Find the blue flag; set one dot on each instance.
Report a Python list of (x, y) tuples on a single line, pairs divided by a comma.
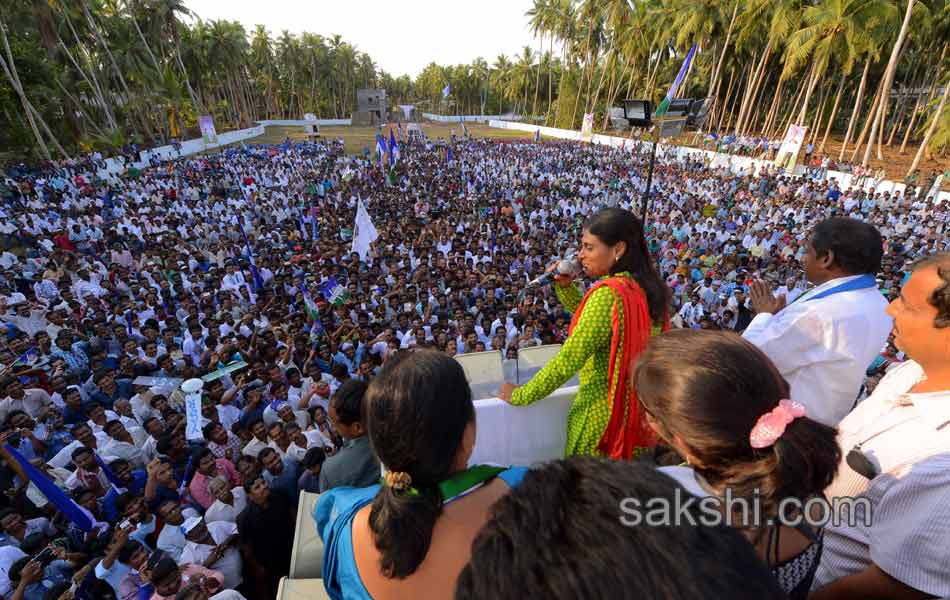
[(255, 274), (56, 496), (671, 94), (447, 90), (392, 148), (334, 293), (27, 358), (448, 156), (380, 149), (108, 472), (185, 476)]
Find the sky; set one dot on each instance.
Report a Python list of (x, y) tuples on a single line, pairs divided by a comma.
[(400, 40)]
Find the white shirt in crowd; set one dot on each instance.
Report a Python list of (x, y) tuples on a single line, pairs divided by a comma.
[(824, 346), (907, 438), (219, 511), (229, 565)]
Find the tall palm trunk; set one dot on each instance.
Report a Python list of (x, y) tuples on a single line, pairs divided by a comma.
[(148, 49), (786, 121), (580, 81), (746, 107), (725, 102), (930, 130), (773, 108), (550, 77), (834, 112), (910, 127), (195, 100), (735, 101), (812, 80), (855, 110), (13, 79), (537, 77), (819, 112), (714, 83), (33, 116), (106, 106), (867, 123), (888, 81)]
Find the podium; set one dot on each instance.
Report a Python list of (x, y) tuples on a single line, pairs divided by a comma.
[(505, 435)]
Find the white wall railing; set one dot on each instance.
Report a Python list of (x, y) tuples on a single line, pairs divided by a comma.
[(717, 159), (470, 118)]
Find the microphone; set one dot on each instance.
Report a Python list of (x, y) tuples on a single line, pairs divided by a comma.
[(569, 265)]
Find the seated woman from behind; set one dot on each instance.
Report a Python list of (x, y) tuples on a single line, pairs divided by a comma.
[(411, 536), (721, 403)]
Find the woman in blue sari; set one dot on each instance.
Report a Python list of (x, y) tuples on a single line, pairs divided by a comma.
[(411, 535)]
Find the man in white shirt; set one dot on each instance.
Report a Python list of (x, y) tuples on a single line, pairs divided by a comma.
[(824, 341), (32, 401), (121, 444), (213, 545), (228, 503), (896, 462), (259, 441)]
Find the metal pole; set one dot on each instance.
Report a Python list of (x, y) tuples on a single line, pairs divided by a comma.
[(646, 193)]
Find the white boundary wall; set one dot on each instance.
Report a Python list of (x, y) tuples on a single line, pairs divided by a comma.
[(719, 159), (470, 118), (116, 165), (302, 122)]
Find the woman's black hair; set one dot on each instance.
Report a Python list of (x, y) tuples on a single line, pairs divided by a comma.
[(708, 389), (569, 530), (615, 225), (348, 401), (417, 411)]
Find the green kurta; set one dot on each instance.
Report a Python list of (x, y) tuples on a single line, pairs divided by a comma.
[(587, 349)]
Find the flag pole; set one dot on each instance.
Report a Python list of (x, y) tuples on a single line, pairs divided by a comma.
[(646, 193)]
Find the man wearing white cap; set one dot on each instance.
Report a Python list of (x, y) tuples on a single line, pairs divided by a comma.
[(214, 546)]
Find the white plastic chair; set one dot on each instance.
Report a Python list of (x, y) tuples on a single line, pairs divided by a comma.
[(483, 372), (301, 589), (532, 358), (306, 558)]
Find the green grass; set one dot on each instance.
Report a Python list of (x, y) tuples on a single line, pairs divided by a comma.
[(357, 138)]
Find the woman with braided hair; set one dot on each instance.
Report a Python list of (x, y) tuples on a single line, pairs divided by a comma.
[(410, 536), (611, 326)]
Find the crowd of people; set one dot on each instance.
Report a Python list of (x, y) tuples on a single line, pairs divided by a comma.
[(239, 267)]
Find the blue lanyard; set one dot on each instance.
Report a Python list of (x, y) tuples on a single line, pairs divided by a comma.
[(862, 282)]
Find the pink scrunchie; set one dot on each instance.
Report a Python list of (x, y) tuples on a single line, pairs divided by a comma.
[(772, 424)]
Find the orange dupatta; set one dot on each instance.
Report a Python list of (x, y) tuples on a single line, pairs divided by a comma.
[(626, 429)]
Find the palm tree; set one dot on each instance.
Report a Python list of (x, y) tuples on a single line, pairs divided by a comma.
[(930, 129), (889, 73), (501, 73), (520, 80), (538, 23), (832, 29), (480, 72)]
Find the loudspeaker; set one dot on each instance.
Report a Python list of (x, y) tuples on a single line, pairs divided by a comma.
[(638, 112), (678, 108), (698, 112)]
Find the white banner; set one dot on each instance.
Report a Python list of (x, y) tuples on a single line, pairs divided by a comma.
[(788, 153), (587, 129)]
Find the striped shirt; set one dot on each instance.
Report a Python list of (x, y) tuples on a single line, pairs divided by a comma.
[(907, 438)]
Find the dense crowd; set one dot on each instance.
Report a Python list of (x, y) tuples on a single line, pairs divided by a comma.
[(247, 256)]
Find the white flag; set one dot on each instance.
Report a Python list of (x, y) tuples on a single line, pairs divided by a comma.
[(364, 233)]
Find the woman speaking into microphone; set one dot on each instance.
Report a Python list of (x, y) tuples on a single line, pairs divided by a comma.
[(611, 326)]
